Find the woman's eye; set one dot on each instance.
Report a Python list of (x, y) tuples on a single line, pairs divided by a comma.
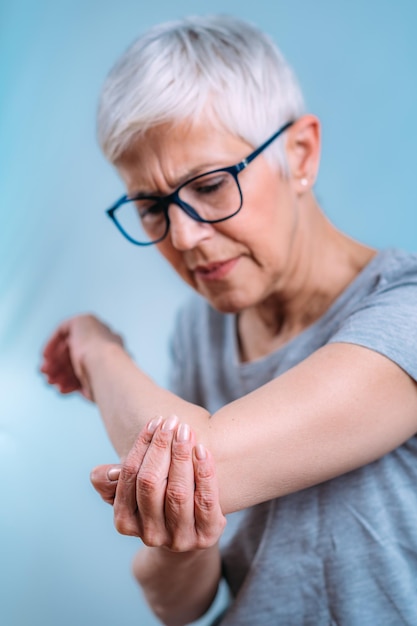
[(209, 186), (148, 209), (155, 209)]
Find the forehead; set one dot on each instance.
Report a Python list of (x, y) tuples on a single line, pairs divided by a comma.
[(168, 154)]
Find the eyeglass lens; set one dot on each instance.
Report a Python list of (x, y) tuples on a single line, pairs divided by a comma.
[(213, 196)]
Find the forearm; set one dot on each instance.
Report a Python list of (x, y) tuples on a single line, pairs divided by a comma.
[(179, 586), (127, 398), (321, 419)]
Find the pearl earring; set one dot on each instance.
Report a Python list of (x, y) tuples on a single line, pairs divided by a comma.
[(304, 182)]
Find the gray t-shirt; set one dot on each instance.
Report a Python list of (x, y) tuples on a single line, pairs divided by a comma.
[(343, 552)]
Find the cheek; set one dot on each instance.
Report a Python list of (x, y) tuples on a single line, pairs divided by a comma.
[(255, 224), (269, 213)]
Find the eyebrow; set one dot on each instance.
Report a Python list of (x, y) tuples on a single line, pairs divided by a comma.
[(196, 171)]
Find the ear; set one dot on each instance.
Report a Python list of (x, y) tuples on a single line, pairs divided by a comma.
[(303, 152)]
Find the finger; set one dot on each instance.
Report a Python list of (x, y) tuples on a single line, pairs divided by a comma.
[(57, 365), (179, 496), (209, 519), (152, 483), (58, 336), (56, 358), (62, 355), (59, 370), (67, 387), (104, 479), (126, 513), (52, 364), (65, 382)]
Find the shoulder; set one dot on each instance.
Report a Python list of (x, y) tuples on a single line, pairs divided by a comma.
[(384, 319), (394, 286), (396, 267), (392, 277)]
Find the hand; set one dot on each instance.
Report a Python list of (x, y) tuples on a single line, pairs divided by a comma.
[(64, 353), (166, 491)]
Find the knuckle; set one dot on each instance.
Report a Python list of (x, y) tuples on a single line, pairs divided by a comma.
[(126, 527), (205, 500), (162, 440), (177, 495), (144, 437), (181, 451), (205, 471), (150, 542), (218, 529), (151, 538), (147, 481), (128, 472), (211, 535), (205, 542)]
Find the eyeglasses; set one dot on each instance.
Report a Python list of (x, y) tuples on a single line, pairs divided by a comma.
[(212, 197)]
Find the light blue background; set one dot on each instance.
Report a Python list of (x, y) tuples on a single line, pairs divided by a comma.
[(61, 561)]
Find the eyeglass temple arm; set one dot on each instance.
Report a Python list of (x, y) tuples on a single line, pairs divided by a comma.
[(262, 147)]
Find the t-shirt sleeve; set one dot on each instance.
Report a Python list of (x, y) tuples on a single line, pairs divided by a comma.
[(386, 320)]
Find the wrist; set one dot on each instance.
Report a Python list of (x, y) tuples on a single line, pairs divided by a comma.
[(147, 560), (97, 348), (96, 354)]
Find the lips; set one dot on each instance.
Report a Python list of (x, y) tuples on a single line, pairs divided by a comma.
[(216, 270)]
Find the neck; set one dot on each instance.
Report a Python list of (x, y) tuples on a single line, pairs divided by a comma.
[(321, 263)]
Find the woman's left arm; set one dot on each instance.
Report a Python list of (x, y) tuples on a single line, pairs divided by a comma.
[(341, 408)]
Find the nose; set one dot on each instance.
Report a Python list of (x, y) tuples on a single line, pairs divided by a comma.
[(185, 232)]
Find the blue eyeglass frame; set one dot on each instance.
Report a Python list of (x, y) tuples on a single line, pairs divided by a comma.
[(173, 198)]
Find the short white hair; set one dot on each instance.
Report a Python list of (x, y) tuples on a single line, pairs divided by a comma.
[(215, 65)]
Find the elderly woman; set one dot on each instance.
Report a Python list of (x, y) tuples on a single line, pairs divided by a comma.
[(294, 395)]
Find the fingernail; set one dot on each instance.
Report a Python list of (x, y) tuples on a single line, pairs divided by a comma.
[(170, 423), (183, 432), (113, 473), (153, 424), (200, 452)]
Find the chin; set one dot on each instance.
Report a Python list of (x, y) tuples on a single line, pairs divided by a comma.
[(229, 302)]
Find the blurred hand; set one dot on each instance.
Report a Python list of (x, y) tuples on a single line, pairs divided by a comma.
[(166, 491), (64, 353)]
